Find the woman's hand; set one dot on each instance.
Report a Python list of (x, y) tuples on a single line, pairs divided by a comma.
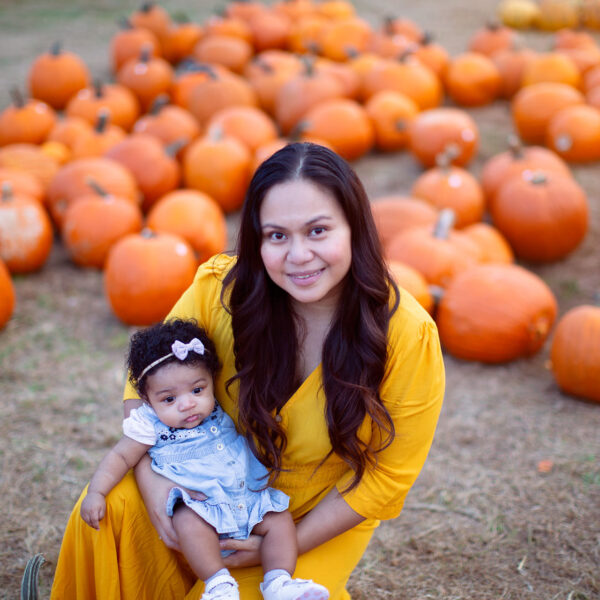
[(155, 490), (247, 552)]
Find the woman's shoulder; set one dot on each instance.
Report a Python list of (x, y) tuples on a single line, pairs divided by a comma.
[(410, 321), (216, 267)]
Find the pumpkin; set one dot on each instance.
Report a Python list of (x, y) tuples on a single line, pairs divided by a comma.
[(95, 222), (168, 123), (518, 14), (31, 159), (58, 151), (7, 295), (68, 130), (491, 38), (127, 44), (154, 167), (122, 104), (22, 183), (510, 64), (433, 131), (408, 76), (244, 9), (555, 67), (26, 121), (344, 38), (97, 140), (575, 352), (267, 72), (495, 313), (72, 182), (518, 160), (574, 133), (56, 76), (592, 97), (589, 14), (438, 253), (301, 93), (449, 186), (388, 45), (152, 17), (26, 233), (533, 106), (219, 166), (343, 124), (189, 75), (544, 218), (432, 54), (179, 41), (591, 78), (219, 90), (395, 214), (305, 33), (294, 9), (145, 274), (393, 25), (146, 76), (390, 113), (494, 246), (228, 51), (249, 124), (411, 280), (194, 216), (231, 26), (557, 14), (344, 73), (270, 30), (472, 79)]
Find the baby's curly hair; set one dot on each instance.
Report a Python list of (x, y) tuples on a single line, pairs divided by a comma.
[(148, 345)]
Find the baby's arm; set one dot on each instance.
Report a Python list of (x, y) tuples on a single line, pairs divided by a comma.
[(113, 467)]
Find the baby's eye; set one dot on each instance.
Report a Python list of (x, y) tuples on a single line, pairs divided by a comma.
[(169, 399), (198, 390)]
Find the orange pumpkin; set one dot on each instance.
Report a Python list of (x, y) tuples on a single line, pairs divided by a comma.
[(179, 41), (97, 140), (68, 130), (344, 38), (219, 166), (534, 105), (189, 76), (26, 121), (305, 33), (494, 246), (432, 55), (434, 131), (510, 64), (575, 352), (411, 280), (231, 26), (31, 159), (154, 167), (228, 51), (152, 17), (7, 295), (270, 30), (145, 274), (472, 79), (194, 216), (94, 223), (127, 44), (544, 218), (56, 76), (390, 113), (22, 183), (495, 314), (343, 124), (395, 214), (26, 233), (574, 133), (555, 67), (492, 38)]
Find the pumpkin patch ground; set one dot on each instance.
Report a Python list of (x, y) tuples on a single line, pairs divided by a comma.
[(508, 504)]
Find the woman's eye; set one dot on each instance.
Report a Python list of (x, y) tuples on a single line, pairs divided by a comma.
[(276, 236), (316, 231)]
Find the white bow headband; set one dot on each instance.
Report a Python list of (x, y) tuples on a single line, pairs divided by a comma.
[(179, 350)]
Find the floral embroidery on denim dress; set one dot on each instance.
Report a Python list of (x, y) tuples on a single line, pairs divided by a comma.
[(212, 458)]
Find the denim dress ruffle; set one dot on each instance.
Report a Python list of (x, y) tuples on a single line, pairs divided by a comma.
[(213, 458)]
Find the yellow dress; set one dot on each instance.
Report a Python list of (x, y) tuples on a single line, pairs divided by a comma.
[(125, 560)]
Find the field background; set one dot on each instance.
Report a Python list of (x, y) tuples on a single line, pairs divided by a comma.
[(481, 523)]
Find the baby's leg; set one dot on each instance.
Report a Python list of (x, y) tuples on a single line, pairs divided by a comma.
[(199, 542), (279, 548)]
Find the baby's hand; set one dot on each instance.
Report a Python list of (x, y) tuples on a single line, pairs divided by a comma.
[(93, 509)]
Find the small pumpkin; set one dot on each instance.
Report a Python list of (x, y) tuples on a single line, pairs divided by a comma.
[(179, 41), (26, 121), (518, 14), (22, 183), (128, 42), (491, 38), (68, 130), (7, 295), (344, 38), (31, 159), (494, 246), (495, 313), (152, 17), (144, 275), (472, 79), (510, 64), (432, 54), (411, 280), (231, 52), (574, 133), (194, 216), (270, 30), (555, 67), (97, 140), (26, 233), (575, 352)]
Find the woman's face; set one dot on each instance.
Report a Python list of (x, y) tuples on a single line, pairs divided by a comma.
[(306, 241)]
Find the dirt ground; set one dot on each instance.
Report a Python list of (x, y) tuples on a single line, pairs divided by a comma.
[(481, 522)]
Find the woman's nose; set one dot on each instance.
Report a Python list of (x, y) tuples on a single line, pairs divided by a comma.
[(299, 251)]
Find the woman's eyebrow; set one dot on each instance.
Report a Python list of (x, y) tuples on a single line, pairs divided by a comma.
[(310, 222)]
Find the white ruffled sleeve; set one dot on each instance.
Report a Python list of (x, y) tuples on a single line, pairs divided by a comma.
[(139, 425)]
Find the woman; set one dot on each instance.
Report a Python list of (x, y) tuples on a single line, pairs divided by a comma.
[(334, 376)]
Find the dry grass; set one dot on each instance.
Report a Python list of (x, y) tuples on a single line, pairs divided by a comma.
[(480, 523)]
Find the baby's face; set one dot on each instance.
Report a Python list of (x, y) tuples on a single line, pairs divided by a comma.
[(181, 395)]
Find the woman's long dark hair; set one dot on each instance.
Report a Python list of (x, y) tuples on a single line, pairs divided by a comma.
[(264, 323)]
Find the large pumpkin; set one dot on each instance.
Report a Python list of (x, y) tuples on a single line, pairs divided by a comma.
[(495, 313), (145, 274), (575, 352)]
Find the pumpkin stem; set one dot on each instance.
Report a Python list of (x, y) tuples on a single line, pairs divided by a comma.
[(158, 104), (443, 160), (493, 25), (444, 224), (96, 187), (145, 53), (147, 233), (146, 7), (515, 147), (102, 120), (539, 178), (98, 88), (56, 48), (174, 147), (7, 191), (124, 23), (437, 293), (17, 97), (308, 61), (388, 25), (29, 582), (427, 38)]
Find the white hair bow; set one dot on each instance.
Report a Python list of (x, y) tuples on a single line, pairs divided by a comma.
[(181, 349)]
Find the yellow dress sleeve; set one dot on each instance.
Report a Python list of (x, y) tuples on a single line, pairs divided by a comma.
[(412, 391), (202, 302)]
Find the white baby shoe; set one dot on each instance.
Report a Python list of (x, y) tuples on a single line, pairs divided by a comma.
[(222, 587), (285, 588)]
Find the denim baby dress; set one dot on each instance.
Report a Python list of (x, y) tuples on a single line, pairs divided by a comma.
[(212, 458)]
